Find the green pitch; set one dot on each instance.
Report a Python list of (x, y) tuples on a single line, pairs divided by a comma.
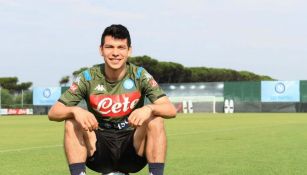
[(237, 144)]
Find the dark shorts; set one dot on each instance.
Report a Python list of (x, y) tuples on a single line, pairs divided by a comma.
[(115, 152)]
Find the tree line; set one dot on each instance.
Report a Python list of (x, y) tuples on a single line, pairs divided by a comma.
[(170, 72)]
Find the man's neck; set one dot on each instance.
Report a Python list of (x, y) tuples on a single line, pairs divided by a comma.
[(115, 75)]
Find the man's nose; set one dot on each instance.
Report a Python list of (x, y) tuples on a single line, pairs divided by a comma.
[(115, 53)]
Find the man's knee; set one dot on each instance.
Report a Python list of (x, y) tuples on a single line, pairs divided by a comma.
[(70, 126), (156, 124)]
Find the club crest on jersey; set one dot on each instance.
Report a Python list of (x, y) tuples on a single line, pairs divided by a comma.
[(117, 105), (100, 87), (128, 84), (153, 83), (151, 80)]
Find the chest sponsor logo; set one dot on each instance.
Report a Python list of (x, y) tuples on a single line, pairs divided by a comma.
[(115, 105), (99, 88)]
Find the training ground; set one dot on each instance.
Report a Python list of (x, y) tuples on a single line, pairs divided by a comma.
[(217, 144)]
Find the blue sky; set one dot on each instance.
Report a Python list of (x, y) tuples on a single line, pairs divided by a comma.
[(42, 41)]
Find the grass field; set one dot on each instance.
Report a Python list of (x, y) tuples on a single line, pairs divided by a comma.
[(238, 144)]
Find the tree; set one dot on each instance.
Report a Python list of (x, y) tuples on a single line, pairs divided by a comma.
[(163, 72), (64, 81), (10, 83), (26, 99), (150, 64), (11, 96), (23, 86), (7, 99)]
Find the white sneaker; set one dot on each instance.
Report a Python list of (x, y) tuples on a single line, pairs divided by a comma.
[(115, 173)]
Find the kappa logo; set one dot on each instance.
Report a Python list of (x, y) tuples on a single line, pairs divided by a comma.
[(99, 87), (82, 173)]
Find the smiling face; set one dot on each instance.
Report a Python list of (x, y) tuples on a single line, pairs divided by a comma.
[(115, 53)]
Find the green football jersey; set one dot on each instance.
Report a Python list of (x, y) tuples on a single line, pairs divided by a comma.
[(112, 102)]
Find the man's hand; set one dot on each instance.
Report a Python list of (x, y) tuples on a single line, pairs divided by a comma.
[(86, 119), (139, 116)]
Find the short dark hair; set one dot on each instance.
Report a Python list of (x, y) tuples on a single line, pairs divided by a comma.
[(117, 31)]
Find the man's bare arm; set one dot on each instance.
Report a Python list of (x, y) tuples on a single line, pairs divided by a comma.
[(60, 112), (161, 107)]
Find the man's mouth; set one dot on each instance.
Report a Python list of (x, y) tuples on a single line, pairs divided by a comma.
[(115, 60)]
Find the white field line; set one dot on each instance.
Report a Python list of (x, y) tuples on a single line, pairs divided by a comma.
[(29, 148), (188, 133)]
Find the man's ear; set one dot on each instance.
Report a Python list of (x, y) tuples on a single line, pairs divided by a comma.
[(101, 50), (129, 51)]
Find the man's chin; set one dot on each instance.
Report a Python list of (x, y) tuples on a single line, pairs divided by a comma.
[(115, 67)]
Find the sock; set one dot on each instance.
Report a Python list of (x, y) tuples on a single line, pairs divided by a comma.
[(77, 168), (156, 168)]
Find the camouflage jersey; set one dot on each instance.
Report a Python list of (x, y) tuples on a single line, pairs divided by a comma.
[(112, 102)]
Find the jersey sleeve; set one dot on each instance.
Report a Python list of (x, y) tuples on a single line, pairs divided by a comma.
[(150, 87), (76, 92)]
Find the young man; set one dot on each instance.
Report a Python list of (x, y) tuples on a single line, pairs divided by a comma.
[(117, 133)]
